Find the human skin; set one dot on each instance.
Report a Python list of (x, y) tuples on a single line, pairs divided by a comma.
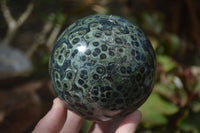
[(61, 120)]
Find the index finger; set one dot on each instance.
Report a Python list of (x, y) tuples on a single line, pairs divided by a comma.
[(54, 120)]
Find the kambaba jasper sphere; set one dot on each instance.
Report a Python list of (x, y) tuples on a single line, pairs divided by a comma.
[(103, 67)]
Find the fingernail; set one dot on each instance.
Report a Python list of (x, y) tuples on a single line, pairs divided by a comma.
[(57, 103)]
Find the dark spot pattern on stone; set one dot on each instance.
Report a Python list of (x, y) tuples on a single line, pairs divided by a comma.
[(88, 52), (69, 75), (75, 40), (97, 34), (95, 77), (80, 82), (100, 70), (65, 85), (95, 43), (74, 53), (123, 69), (118, 40), (95, 91), (103, 56), (129, 69), (96, 52), (111, 53), (104, 47), (83, 58), (95, 99), (110, 77)]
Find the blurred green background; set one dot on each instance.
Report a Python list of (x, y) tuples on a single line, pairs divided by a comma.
[(28, 30)]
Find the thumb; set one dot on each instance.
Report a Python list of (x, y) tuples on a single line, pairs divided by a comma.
[(54, 120)]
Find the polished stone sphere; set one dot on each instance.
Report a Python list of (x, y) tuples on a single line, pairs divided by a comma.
[(103, 67)]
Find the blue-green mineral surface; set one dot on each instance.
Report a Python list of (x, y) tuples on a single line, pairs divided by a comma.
[(103, 67)]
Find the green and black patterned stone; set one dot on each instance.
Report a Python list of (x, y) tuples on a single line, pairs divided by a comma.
[(103, 67)]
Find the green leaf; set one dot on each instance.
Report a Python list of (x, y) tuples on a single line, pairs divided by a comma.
[(191, 123), (174, 41), (45, 58), (86, 126), (166, 63), (164, 89), (152, 22), (155, 110), (195, 105)]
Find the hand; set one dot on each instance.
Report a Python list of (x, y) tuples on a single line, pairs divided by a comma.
[(61, 120)]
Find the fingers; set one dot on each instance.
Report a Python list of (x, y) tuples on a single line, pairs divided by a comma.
[(106, 127), (59, 120), (127, 125), (54, 120), (130, 123), (73, 123)]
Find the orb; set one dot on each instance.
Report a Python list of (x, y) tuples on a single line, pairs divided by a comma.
[(103, 67)]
